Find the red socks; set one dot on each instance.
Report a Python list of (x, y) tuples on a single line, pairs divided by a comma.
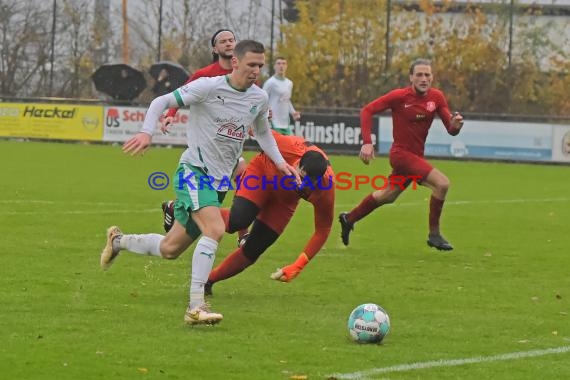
[(225, 216), (369, 204), (232, 265), (435, 207), (365, 207)]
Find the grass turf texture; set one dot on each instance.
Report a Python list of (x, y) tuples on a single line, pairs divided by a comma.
[(505, 288)]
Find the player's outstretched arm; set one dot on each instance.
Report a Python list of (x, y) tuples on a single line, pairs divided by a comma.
[(137, 144), (171, 113), (324, 210), (289, 272), (141, 141), (268, 144)]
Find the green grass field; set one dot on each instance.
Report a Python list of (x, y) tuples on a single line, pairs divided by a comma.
[(504, 290)]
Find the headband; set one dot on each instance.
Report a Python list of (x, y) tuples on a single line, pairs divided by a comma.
[(215, 36)]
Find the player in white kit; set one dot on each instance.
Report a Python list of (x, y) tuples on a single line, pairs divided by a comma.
[(221, 110), (279, 89)]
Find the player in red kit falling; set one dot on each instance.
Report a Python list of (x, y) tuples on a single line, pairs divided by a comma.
[(413, 109), (269, 208)]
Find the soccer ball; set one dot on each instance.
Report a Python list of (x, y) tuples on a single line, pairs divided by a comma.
[(368, 323)]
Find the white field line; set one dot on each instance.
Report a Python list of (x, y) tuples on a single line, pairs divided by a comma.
[(450, 363), (83, 212), (120, 210), (39, 201), (474, 202)]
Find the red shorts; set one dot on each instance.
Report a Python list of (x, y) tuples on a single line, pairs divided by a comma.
[(258, 185), (406, 164)]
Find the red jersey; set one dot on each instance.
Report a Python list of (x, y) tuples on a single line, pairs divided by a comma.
[(212, 70), (412, 116)]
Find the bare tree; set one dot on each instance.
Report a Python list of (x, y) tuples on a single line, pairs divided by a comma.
[(75, 51), (24, 32), (189, 24), (186, 28), (84, 40)]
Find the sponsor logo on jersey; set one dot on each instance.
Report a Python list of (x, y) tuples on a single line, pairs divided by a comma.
[(232, 119), (232, 131)]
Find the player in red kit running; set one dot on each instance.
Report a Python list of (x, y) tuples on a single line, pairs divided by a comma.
[(413, 109)]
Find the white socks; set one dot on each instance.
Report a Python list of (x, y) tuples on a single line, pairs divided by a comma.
[(202, 259), (147, 244), (202, 263)]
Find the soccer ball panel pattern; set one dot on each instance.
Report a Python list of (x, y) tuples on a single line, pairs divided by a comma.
[(368, 323)]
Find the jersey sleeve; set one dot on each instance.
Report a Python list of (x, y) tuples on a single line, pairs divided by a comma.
[(291, 147), (172, 111), (323, 207), (445, 114), (376, 106), (261, 122), (155, 110), (192, 93), (262, 133), (292, 109)]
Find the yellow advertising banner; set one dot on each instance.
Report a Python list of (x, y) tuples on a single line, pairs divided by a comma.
[(51, 121)]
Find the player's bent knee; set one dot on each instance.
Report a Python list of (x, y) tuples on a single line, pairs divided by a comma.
[(383, 197), (237, 223), (443, 185), (169, 252), (214, 232), (251, 253), (260, 238), (170, 255), (242, 214)]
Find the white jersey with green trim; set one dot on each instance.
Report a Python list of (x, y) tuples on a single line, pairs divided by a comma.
[(279, 90), (219, 120)]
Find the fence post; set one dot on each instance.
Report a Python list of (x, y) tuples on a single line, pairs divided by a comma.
[(51, 56)]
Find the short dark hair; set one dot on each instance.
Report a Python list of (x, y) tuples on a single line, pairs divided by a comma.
[(314, 164), (280, 58), (248, 46), (216, 57), (419, 61)]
